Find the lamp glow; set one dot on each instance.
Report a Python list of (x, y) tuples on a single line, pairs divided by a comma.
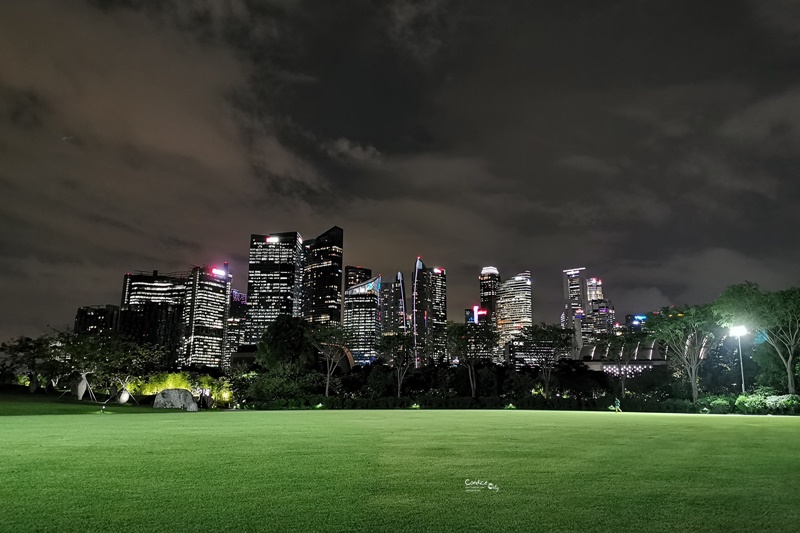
[(738, 331)]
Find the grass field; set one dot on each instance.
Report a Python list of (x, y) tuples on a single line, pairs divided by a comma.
[(397, 471)]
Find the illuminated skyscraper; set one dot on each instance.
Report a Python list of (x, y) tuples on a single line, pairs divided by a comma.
[(394, 318), (236, 321), (362, 319), (429, 313), (514, 306), (489, 282), (575, 300), (353, 275), (274, 281), (151, 310), (594, 289), (600, 317), (322, 277), (586, 311), (205, 318), (144, 287)]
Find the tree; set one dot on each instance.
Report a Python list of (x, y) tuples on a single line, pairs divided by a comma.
[(240, 378), (286, 340), (546, 344), (775, 316), (471, 344), (121, 360), (28, 356), (689, 334), (82, 352), (331, 341), (398, 350), (105, 354)]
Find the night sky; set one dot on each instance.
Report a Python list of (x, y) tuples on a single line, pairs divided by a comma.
[(655, 143)]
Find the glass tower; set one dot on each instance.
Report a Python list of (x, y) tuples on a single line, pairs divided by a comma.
[(353, 275), (394, 318), (362, 319), (151, 310), (236, 321), (594, 289), (514, 306), (205, 318), (575, 300), (274, 281), (489, 283), (322, 277), (429, 313)]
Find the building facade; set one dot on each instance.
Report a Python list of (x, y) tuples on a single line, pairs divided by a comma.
[(205, 318), (151, 311), (594, 289), (575, 300), (274, 281), (514, 306), (353, 275), (429, 313), (394, 316), (489, 283), (600, 319), (235, 332), (322, 277), (91, 319), (362, 319)]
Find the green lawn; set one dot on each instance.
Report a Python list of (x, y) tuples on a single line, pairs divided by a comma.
[(398, 471), (53, 404)]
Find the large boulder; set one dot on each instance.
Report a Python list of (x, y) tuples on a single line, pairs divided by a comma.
[(174, 399)]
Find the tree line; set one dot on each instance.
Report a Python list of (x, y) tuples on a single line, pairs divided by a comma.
[(296, 359)]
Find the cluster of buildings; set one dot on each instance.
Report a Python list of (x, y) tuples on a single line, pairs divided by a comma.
[(199, 320), (187, 314), (586, 310)]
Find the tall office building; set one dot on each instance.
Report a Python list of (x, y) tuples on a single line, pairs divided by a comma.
[(322, 277), (394, 317), (514, 306), (236, 321), (144, 287), (353, 275), (91, 319), (489, 282), (600, 318), (586, 310), (429, 313), (575, 300), (594, 289), (274, 281), (205, 318), (362, 319), (151, 310)]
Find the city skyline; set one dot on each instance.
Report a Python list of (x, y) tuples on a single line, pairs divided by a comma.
[(453, 314), (523, 136)]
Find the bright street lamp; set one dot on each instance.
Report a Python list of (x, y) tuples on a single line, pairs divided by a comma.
[(738, 331)]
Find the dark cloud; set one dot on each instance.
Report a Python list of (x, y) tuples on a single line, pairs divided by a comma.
[(653, 143), (22, 108)]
